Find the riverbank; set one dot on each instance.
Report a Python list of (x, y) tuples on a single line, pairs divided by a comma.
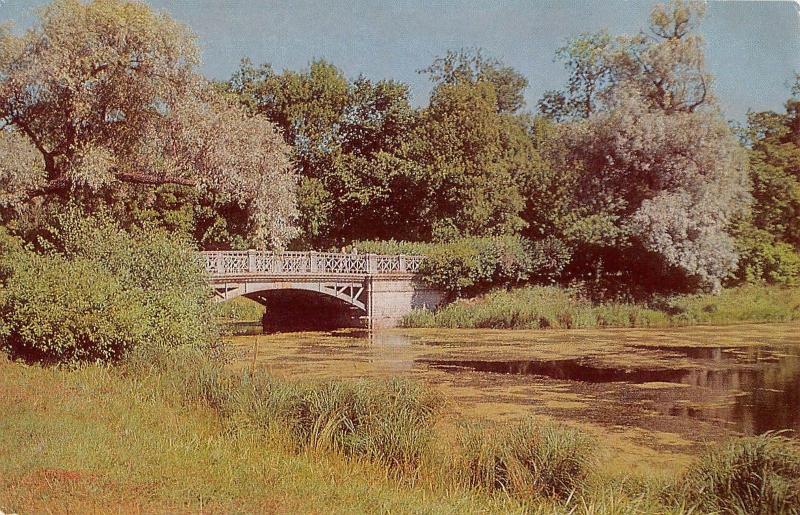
[(190, 437), (544, 307), (96, 439)]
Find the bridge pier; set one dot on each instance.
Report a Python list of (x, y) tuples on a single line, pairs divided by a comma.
[(391, 299)]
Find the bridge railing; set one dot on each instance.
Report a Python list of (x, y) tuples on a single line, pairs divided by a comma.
[(225, 263)]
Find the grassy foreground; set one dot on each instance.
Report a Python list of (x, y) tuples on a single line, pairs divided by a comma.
[(96, 439), (184, 435), (540, 307)]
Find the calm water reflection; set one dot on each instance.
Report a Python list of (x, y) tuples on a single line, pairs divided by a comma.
[(762, 385)]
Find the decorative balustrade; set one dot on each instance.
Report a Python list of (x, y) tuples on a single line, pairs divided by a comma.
[(233, 263)]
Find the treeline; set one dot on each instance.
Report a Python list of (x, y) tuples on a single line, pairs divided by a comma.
[(628, 179), (629, 176)]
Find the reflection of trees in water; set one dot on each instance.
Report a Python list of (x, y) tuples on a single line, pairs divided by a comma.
[(759, 391), (770, 396)]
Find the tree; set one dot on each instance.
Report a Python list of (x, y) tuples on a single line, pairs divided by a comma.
[(468, 163), (108, 95), (342, 132), (587, 59), (769, 238), (666, 65), (470, 65), (655, 169), (774, 140)]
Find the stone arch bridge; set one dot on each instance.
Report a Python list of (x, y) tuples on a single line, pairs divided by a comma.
[(381, 288)]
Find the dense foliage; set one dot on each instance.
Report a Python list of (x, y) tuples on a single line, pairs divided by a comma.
[(769, 239), (93, 291), (631, 168), (470, 265), (102, 97)]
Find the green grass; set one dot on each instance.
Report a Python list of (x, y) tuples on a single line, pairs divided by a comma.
[(528, 459), (179, 433), (239, 309), (753, 475), (541, 307), (95, 439)]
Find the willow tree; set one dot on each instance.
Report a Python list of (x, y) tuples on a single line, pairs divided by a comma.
[(656, 171), (101, 95)]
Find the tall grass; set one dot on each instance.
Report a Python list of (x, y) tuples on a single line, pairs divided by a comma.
[(542, 307), (389, 422), (93, 440), (180, 432), (754, 475), (743, 304), (535, 307), (528, 459)]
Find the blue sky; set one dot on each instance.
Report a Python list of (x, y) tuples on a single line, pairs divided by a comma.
[(753, 48)]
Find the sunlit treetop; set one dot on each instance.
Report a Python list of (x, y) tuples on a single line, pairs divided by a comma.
[(108, 93)]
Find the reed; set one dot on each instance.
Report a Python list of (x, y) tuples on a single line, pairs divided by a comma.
[(545, 307)]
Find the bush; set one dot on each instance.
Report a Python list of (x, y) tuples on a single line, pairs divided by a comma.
[(528, 459), (763, 260), (759, 474), (94, 292), (66, 311), (471, 265)]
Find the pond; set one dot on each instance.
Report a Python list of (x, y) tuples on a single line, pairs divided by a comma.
[(666, 389)]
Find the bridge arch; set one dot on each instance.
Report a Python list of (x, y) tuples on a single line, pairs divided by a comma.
[(353, 293)]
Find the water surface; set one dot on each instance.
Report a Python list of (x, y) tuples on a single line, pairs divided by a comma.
[(665, 388)]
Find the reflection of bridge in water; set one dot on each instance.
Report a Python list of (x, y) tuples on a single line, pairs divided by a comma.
[(381, 288)]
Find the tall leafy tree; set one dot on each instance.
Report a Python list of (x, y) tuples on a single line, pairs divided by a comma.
[(769, 238), (341, 131), (665, 64), (468, 164), (774, 139), (656, 171), (106, 95), (472, 65)]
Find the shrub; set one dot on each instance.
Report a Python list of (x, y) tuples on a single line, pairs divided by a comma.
[(470, 265), (67, 311), (94, 292), (162, 267), (761, 259), (528, 459), (759, 474)]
